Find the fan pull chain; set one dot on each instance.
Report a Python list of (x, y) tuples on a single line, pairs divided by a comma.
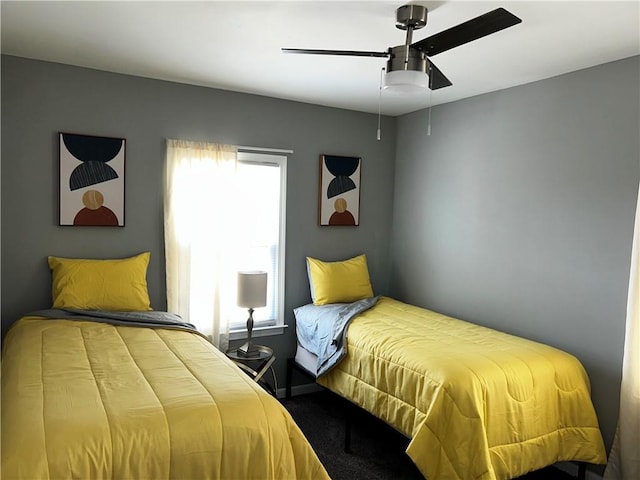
[(430, 93), (378, 133)]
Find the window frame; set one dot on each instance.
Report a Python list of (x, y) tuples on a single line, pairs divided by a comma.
[(266, 328)]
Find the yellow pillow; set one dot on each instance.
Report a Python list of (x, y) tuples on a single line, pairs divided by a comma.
[(87, 284), (339, 282)]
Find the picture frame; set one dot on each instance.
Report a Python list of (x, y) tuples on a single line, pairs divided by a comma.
[(92, 180), (339, 191)]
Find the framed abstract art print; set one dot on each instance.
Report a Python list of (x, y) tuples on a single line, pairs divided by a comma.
[(91, 180), (339, 192)]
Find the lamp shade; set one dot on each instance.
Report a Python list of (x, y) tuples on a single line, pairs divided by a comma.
[(252, 289)]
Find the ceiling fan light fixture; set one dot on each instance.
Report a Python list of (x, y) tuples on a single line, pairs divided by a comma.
[(409, 66), (406, 81)]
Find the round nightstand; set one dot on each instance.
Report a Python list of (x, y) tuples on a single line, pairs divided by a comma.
[(257, 365)]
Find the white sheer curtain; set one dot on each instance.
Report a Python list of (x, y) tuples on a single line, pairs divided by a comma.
[(624, 459), (201, 235)]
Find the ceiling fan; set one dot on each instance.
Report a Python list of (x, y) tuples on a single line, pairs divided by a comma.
[(407, 64)]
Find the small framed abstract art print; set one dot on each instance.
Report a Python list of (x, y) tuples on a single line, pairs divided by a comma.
[(339, 192), (91, 180)]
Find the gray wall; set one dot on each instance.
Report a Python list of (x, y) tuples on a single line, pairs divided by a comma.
[(39, 99), (517, 213)]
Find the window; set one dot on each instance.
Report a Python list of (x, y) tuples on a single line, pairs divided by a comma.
[(260, 204), (224, 211)]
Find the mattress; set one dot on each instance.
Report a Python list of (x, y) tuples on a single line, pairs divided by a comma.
[(306, 359), (83, 399), (476, 403)]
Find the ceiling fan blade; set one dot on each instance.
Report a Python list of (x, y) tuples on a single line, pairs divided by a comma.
[(350, 53), (466, 32), (436, 78)]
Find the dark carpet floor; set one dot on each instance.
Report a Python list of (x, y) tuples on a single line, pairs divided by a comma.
[(377, 450)]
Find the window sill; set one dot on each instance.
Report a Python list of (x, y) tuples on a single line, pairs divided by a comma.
[(257, 332)]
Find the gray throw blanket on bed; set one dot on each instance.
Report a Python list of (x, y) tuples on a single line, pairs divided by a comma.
[(322, 329), (151, 319)]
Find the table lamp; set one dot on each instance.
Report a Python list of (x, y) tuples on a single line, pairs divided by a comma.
[(252, 293)]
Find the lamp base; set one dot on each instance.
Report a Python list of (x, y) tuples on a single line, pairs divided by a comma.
[(248, 350)]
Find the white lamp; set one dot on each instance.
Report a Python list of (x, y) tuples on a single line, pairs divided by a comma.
[(406, 81), (252, 293)]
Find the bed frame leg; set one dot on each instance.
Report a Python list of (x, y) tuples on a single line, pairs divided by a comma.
[(289, 378), (347, 434), (582, 471)]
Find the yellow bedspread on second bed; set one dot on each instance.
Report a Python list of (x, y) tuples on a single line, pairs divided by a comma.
[(476, 403), (91, 400)]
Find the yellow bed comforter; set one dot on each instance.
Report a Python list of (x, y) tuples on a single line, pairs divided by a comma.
[(89, 400), (476, 403)]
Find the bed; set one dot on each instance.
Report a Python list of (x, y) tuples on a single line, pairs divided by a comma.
[(136, 394), (474, 402)]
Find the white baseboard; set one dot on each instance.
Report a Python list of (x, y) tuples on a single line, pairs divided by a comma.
[(300, 390)]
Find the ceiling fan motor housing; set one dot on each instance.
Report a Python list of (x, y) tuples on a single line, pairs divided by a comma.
[(403, 57)]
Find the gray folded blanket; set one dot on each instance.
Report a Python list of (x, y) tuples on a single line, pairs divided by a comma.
[(151, 319)]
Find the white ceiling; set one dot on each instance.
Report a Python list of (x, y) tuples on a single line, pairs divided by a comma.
[(236, 45)]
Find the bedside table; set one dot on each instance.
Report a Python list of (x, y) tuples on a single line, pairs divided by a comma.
[(256, 366)]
